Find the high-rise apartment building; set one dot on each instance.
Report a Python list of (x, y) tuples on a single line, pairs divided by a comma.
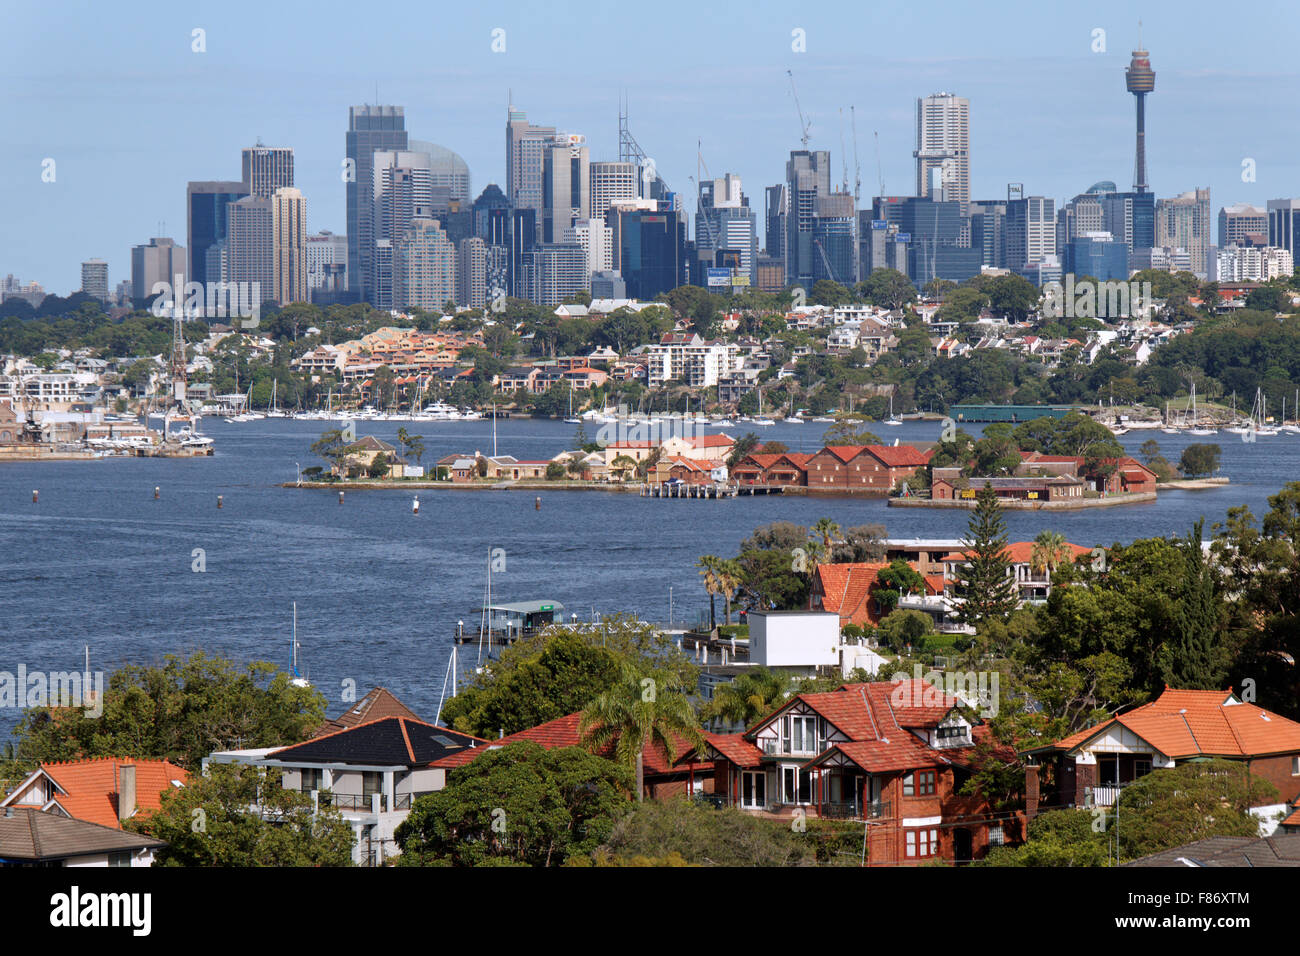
[(161, 260), (988, 232), (597, 240), (267, 168), (1240, 220), (610, 183), (424, 266), (776, 206), (370, 129), (835, 239), (525, 147), (289, 245), (472, 273), (207, 220), (558, 272), (94, 278), (566, 188), (943, 148), (250, 244), (1184, 223), (1284, 224)]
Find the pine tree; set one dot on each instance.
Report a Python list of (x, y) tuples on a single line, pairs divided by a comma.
[(989, 591), (1187, 660)]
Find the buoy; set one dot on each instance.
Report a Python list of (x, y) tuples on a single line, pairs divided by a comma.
[(415, 505), (218, 501), (537, 504), (155, 492), (340, 497), (35, 496)]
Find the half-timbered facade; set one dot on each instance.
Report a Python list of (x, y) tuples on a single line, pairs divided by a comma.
[(892, 754)]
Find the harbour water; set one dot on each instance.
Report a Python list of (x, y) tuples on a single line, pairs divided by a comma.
[(100, 562)]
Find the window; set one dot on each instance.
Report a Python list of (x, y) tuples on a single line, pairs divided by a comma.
[(922, 843), (796, 785), (909, 785), (311, 779), (996, 836), (1295, 766), (753, 789), (122, 858), (799, 735), (925, 783), (372, 781)]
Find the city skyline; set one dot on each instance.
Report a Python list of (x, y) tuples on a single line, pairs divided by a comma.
[(747, 125)]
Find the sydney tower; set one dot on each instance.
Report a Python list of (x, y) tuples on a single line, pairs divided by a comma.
[(1141, 80)]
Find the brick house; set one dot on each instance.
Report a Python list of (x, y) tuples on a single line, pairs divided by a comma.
[(1033, 583), (1109, 475), (1179, 726), (787, 468), (948, 484), (867, 469), (892, 754)]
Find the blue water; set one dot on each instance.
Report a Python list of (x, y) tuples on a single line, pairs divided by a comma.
[(98, 561)]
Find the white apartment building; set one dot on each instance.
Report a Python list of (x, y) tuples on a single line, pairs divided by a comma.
[(597, 240), (690, 359), (1253, 264)]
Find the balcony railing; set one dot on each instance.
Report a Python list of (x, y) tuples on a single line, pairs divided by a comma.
[(852, 810), (353, 801)]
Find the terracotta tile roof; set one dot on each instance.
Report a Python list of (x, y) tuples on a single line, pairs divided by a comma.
[(1020, 552), (1210, 723), (846, 589), (563, 732), (1293, 820), (89, 788), (900, 456), (711, 441), (845, 453), (738, 750), (379, 702)]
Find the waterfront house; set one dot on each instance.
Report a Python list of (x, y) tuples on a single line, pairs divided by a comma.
[(1108, 475), (29, 837), (892, 754), (370, 773), (1032, 576), (1089, 768), (361, 454), (857, 469), (509, 467), (689, 471), (101, 790), (775, 470), (948, 484)]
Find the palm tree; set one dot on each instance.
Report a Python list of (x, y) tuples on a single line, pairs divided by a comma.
[(713, 569), (730, 577), (1050, 550), (640, 711), (750, 696), (827, 530)]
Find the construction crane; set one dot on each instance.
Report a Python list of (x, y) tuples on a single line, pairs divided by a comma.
[(844, 156), (857, 167), (708, 218), (880, 170), (803, 125)]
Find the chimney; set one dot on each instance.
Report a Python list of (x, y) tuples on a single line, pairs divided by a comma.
[(126, 792)]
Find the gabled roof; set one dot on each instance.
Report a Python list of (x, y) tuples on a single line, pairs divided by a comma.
[(32, 836), (386, 742), (1274, 851), (900, 456), (1199, 723), (379, 702), (846, 588), (88, 789), (1020, 552), (845, 453)]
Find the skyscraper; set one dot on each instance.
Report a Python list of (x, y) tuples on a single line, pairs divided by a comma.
[(250, 244), (525, 145), (808, 177), (775, 208), (472, 273), (267, 168), (1284, 224), (566, 187), (724, 220), (325, 249), (1140, 80), (649, 249), (289, 245), (943, 148), (1030, 231), (159, 261), (206, 222), (94, 278), (370, 129), (611, 182)]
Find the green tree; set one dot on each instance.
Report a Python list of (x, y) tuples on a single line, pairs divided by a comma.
[(887, 288), (849, 430), (209, 822), (643, 709), (753, 694), (181, 711), (1189, 659), (987, 590), (745, 446), (895, 580), (1200, 459), (1050, 550), (332, 447), (1059, 838), (379, 466), (411, 444), (516, 805), (703, 836)]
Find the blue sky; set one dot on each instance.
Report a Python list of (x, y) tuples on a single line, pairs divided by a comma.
[(116, 97)]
